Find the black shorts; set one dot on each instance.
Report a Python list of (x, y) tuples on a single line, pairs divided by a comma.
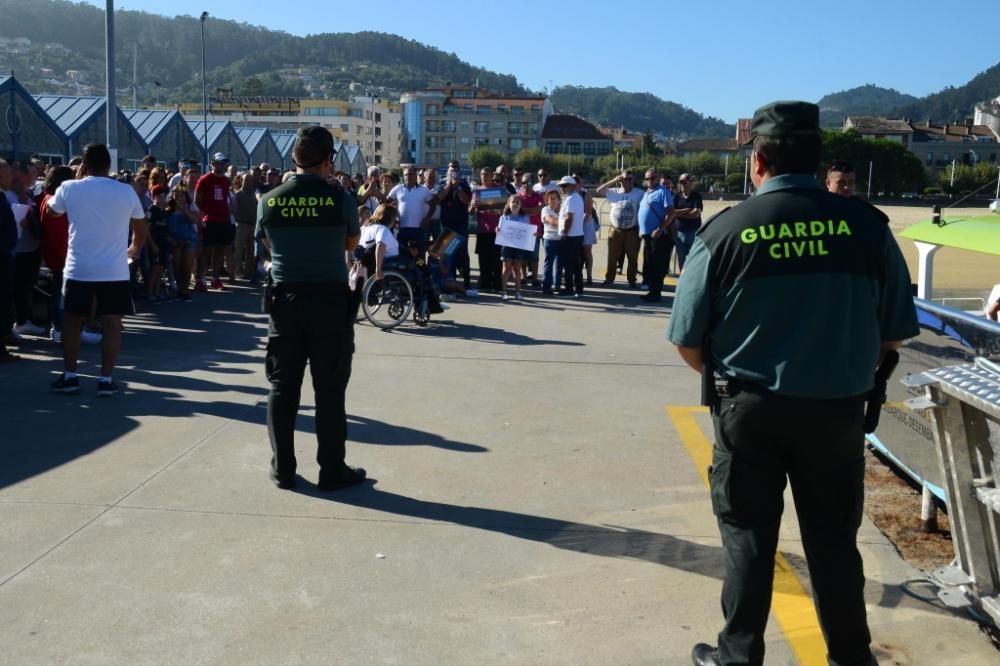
[(112, 298), (219, 234)]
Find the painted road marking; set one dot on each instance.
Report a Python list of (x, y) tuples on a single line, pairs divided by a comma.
[(791, 605)]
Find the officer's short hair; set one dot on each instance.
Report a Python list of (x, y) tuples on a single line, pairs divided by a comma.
[(313, 146), (788, 154)]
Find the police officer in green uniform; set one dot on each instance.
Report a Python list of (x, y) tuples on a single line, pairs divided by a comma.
[(786, 304), (307, 225)]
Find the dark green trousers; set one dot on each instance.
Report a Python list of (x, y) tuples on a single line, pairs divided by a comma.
[(761, 440), (309, 324)]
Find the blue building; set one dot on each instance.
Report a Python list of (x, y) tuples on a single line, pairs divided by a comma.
[(82, 121), (25, 128)]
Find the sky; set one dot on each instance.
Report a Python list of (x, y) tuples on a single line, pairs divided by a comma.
[(722, 59)]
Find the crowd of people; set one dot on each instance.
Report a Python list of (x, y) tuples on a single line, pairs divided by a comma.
[(201, 228)]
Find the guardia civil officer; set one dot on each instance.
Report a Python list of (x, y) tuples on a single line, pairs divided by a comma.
[(307, 224), (789, 299)]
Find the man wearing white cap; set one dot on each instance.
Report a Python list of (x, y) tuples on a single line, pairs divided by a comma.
[(212, 197), (571, 220)]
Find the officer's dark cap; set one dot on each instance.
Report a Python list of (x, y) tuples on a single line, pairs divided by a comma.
[(786, 119), (314, 138)]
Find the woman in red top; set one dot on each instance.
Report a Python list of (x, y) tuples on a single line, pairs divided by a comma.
[(55, 244)]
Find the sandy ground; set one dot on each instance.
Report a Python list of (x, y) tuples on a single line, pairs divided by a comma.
[(957, 273)]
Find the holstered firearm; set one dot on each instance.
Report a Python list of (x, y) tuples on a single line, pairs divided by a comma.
[(877, 396), (268, 297), (709, 396)]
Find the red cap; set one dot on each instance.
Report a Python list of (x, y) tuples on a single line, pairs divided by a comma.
[(158, 189)]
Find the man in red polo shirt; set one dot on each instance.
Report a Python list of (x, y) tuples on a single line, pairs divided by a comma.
[(212, 198)]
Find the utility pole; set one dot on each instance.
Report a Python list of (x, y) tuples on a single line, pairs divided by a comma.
[(871, 167), (998, 183), (204, 96), (952, 175), (111, 103), (727, 164), (746, 176), (135, 74)]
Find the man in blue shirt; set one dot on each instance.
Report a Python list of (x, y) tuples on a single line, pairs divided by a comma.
[(656, 213)]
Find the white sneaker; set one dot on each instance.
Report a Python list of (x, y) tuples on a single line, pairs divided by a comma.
[(445, 306), (90, 337), (28, 328), (504, 297), (55, 336), (472, 293)]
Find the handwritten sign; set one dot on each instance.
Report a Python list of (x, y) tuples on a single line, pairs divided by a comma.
[(516, 234)]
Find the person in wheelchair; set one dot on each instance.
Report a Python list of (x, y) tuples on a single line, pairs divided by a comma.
[(379, 250)]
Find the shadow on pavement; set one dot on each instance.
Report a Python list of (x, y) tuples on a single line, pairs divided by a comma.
[(177, 356), (477, 333)]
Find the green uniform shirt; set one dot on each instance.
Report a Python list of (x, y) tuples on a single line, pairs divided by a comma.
[(795, 288), (306, 220)]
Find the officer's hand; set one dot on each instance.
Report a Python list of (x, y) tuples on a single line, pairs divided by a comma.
[(379, 275), (656, 233)]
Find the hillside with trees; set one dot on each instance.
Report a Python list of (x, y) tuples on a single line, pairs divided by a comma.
[(637, 112), (866, 100)]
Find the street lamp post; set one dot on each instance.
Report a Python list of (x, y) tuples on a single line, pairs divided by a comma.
[(111, 103), (204, 95)]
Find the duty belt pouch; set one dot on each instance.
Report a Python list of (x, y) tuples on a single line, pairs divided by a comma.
[(268, 297)]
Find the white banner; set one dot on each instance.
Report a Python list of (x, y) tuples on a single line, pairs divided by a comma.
[(516, 234)]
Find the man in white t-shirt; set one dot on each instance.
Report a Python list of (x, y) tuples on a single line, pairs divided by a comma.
[(624, 236), (544, 185), (571, 219), (100, 210), (416, 206)]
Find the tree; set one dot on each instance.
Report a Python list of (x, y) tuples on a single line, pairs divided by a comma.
[(484, 156), (532, 159), (894, 168), (649, 146), (253, 87)]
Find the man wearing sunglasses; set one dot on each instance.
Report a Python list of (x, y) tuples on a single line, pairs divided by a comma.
[(544, 185)]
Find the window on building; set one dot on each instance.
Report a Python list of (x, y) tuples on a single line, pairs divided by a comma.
[(588, 148), (378, 131), (531, 143), (463, 156), (482, 126), (378, 117), (531, 128), (431, 109), (378, 145), (499, 125), (517, 110), (431, 125), (463, 93), (993, 157), (515, 144), (930, 159), (345, 128), (552, 147), (430, 142), (482, 141), (447, 142), (946, 157), (573, 147), (465, 140), (483, 109), (465, 124), (604, 148), (448, 126), (468, 108), (502, 108), (360, 128), (515, 128)]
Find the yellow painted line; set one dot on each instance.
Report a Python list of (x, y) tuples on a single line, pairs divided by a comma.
[(791, 605)]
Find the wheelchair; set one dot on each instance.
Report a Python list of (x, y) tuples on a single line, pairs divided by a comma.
[(403, 290)]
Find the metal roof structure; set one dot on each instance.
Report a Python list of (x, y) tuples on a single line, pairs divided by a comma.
[(259, 145), (222, 138), (25, 128), (82, 120), (284, 141), (165, 134)]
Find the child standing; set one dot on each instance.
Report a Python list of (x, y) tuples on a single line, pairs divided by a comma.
[(514, 258)]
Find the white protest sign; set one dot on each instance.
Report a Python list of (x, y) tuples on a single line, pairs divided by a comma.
[(516, 234)]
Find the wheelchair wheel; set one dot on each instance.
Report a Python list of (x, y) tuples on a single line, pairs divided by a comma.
[(387, 303)]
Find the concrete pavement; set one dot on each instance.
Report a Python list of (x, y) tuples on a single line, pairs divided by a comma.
[(531, 503)]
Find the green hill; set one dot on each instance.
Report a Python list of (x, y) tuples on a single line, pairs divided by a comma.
[(637, 112), (866, 100)]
